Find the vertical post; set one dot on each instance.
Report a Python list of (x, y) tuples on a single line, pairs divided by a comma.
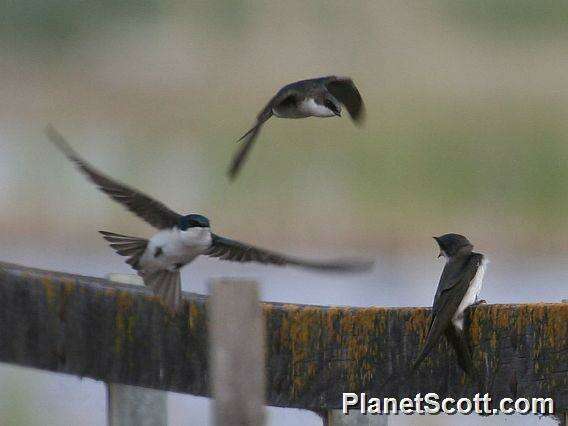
[(355, 418), (131, 405), (563, 421), (236, 354)]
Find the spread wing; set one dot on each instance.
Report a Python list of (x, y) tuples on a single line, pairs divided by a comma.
[(285, 95), (235, 251), (451, 290), (345, 91), (248, 141), (152, 211)]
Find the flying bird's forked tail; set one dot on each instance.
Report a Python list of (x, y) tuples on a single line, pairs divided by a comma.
[(133, 247), (165, 284)]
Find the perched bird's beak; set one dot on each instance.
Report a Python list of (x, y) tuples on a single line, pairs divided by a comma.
[(441, 251), (337, 113)]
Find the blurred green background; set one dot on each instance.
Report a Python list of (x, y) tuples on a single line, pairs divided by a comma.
[(466, 128), (466, 124)]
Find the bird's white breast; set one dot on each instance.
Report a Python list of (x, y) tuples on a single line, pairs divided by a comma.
[(471, 294), (172, 247), (311, 108)]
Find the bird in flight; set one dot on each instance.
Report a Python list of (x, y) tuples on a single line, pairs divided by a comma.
[(458, 289), (317, 97), (180, 238)]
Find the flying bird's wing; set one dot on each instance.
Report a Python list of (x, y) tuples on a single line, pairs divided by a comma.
[(235, 251), (249, 138), (345, 91), (283, 96), (451, 291), (145, 207)]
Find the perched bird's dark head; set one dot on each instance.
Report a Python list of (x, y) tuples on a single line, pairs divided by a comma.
[(193, 221), (333, 105), (453, 244)]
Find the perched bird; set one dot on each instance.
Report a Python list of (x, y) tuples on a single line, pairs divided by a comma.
[(459, 287), (317, 97), (181, 238)]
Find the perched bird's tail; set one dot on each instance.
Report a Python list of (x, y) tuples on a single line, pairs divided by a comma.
[(240, 157), (459, 343), (165, 284), (133, 247), (434, 334)]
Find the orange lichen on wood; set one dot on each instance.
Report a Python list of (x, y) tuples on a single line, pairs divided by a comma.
[(50, 290), (124, 320)]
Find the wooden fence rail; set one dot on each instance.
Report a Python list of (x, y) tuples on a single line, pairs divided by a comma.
[(121, 334)]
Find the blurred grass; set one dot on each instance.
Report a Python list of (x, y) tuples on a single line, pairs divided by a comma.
[(34, 24), (464, 133), (524, 17)]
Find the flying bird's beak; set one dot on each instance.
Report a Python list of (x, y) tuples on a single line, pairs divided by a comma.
[(440, 254)]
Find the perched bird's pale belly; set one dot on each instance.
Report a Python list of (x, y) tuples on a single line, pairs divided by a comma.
[(471, 295), (171, 248)]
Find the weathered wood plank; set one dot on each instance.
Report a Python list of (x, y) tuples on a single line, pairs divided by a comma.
[(237, 340), (92, 327)]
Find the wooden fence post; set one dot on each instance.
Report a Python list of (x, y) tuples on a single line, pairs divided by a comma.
[(237, 353), (131, 405), (563, 421)]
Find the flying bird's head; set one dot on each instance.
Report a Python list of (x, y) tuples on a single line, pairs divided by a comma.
[(332, 105), (193, 221), (453, 244)]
